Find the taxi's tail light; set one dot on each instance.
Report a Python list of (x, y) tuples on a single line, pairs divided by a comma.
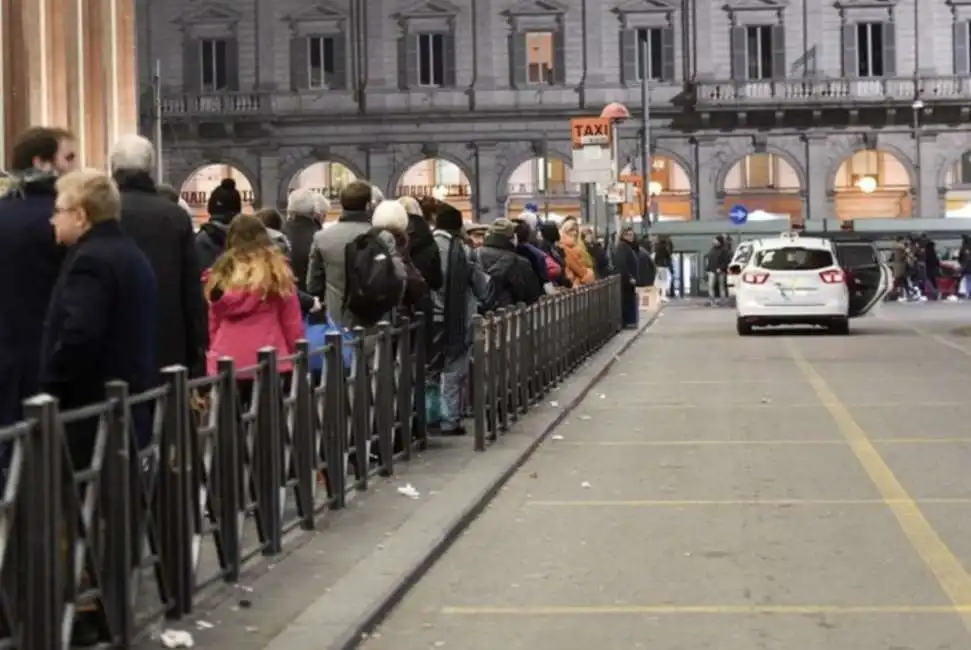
[(734, 269), (755, 278), (832, 276)]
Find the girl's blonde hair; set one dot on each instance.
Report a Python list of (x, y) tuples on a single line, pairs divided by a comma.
[(251, 262)]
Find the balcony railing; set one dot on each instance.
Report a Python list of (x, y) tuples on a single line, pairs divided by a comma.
[(453, 191), (829, 91), (215, 104)]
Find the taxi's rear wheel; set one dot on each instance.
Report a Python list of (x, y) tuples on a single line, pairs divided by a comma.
[(743, 327), (840, 327)]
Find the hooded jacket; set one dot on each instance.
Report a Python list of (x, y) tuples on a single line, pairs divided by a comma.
[(242, 322), (513, 279)]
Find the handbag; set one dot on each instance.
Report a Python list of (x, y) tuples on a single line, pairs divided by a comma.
[(316, 336)]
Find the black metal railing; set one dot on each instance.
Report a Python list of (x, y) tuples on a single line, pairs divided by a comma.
[(519, 354), (122, 511)]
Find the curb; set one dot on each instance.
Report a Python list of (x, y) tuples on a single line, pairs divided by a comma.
[(357, 633)]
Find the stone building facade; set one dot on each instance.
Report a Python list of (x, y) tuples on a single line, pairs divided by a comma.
[(851, 109)]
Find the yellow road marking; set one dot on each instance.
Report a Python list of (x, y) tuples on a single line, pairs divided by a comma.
[(773, 406), (947, 569), (655, 503), (791, 610), (756, 443)]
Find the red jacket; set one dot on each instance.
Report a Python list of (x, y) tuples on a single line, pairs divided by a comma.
[(242, 322)]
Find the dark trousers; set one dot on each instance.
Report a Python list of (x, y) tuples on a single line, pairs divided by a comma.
[(628, 305)]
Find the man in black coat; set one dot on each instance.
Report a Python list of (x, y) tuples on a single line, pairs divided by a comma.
[(512, 276), (306, 211), (163, 232), (30, 259)]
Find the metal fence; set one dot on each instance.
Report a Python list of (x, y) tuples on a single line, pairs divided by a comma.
[(117, 509), (520, 354)]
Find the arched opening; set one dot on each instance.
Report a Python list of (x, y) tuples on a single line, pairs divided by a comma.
[(669, 189), (200, 184), (957, 182), (441, 179), (872, 184), (550, 189), (327, 178), (765, 183)]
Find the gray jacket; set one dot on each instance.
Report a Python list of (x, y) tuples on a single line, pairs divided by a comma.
[(479, 285), (326, 267)]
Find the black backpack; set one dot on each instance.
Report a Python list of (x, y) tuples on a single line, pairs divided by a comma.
[(372, 287)]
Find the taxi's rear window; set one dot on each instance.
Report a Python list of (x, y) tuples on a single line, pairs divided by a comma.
[(742, 255), (794, 258)]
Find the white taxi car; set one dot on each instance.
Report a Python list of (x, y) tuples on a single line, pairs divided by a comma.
[(793, 280)]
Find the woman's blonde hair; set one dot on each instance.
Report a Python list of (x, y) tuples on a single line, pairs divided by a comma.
[(251, 262)]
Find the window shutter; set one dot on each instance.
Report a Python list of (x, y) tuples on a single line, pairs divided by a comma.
[(738, 54), (517, 60), (667, 54), (232, 64), (408, 61), (339, 80), (191, 66), (628, 55), (961, 48), (299, 64), (448, 60), (778, 52), (559, 58), (889, 50), (851, 64)]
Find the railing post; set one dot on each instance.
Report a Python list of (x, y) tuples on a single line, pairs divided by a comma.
[(269, 451), (479, 382), (419, 380), (407, 408), (384, 396), (174, 501), (334, 421), (501, 335), (40, 493), (514, 359), (119, 522), (227, 466), (361, 410), (302, 436)]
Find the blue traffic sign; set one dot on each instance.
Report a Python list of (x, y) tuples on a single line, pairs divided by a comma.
[(738, 214)]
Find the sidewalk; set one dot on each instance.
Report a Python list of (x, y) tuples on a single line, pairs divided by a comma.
[(338, 581)]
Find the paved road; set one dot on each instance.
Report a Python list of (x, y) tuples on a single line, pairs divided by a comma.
[(788, 492)]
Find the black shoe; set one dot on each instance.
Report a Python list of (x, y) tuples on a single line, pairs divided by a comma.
[(86, 631)]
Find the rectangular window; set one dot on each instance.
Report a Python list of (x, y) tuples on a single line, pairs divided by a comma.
[(758, 52), (653, 64), (963, 175), (869, 50), (321, 61), (214, 61), (447, 173), (431, 60), (794, 258), (760, 171), (539, 58), (865, 164)]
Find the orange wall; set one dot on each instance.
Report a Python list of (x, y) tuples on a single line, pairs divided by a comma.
[(69, 63)]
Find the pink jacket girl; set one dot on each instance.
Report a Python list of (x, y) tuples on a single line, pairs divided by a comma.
[(252, 299)]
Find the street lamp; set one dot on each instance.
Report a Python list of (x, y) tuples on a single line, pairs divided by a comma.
[(654, 188), (867, 184), (616, 113), (917, 106)]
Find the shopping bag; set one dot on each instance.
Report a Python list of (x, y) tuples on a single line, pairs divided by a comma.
[(316, 336), (433, 404)]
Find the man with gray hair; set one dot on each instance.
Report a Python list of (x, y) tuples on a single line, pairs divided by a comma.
[(306, 212), (163, 231)]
